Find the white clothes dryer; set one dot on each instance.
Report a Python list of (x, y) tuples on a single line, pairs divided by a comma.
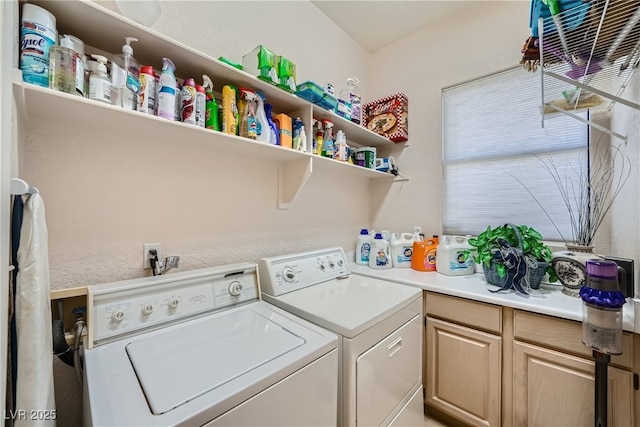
[(201, 348), (379, 324)]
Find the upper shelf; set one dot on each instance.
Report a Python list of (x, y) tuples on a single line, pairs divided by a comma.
[(589, 54), (89, 22)]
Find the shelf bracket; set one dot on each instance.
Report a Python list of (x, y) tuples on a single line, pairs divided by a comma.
[(292, 176)]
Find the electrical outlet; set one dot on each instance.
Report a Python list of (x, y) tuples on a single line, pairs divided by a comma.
[(146, 256), (627, 265)]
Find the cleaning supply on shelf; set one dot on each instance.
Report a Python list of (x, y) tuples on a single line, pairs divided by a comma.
[(147, 97), (201, 105), (318, 137), (286, 74), (379, 257), (366, 157), (340, 148), (166, 103), (37, 35), (351, 94), (297, 125), (246, 108), (363, 247), (285, 125), (424, 254), (402, 249), (99, 81), (274, 133), (327, 139), (188, 101), (125, 74), (211, 106), (62, 64), (261, 62), (264, 130), (229, 110), (303, 140), (454, 256)]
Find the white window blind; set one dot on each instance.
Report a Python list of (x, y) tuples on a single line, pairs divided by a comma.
[(491, 138)]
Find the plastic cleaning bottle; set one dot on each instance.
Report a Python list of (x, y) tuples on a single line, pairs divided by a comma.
[(201, 104), (188, 101), (327, 143), (379, 258), (402, 249), (454, 256), (99, 81), (318, 137), (274, 133), (303, 140), (229, 110), (247, 111), (363, 247), (264, 129), (167, 91), (297, 125), (211, 106), (424, 254), (125, 74), (340, 150), (351, 94)]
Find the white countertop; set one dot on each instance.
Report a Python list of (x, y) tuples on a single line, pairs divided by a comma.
[(549, 299)]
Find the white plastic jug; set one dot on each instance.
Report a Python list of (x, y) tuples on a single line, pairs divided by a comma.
[(379, 258), (454, 256), (402, 249)]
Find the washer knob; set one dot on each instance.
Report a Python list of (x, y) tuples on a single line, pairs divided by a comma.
[(288, 274), (340, 262), (147, 309), (174, 303), (332, 264), (235, 288), (118, 316)]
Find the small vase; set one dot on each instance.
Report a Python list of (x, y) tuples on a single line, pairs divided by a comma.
[(570, 265)]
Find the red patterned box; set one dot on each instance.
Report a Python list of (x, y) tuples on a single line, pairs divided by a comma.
[(388, 117)]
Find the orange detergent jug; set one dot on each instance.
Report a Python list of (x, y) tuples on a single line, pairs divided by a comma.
[(424, 254)]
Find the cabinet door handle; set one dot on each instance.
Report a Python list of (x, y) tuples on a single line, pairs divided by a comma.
[(394, 346)]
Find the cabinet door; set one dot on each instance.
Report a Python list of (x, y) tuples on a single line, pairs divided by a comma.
[(554, 388), (463, 372)]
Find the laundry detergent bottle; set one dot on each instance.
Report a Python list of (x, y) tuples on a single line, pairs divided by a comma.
[(363, 247), (380, 257), (424, 254), (454, 256), (402, 249)]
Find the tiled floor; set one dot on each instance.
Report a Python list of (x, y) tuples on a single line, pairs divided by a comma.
[(430, 422)]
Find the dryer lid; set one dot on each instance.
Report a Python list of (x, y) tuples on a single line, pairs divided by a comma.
[(182, 364)]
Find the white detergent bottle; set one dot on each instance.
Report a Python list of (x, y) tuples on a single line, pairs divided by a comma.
[(379, 258), (454, 257), (402, 249), (363, 247), (166, 102)]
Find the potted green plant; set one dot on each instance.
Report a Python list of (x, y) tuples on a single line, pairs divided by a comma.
[(513, 256)]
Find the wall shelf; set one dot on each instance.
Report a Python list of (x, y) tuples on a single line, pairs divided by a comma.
[(589, 55)]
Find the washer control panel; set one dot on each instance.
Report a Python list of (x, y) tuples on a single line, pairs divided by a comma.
[(124, 308), (279, 275)]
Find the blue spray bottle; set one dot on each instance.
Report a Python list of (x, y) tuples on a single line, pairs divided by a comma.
[(274, 137)]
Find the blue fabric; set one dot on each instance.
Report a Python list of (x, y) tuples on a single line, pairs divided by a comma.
[(572, 18), (16, 226), (597, 297)]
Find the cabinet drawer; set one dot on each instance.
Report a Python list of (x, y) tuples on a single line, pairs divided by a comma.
[(472, 313), (564, 335)]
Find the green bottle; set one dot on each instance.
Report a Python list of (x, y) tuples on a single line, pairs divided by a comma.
[(211, 108)]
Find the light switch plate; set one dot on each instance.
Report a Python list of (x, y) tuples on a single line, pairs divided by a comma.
[(146, 256)]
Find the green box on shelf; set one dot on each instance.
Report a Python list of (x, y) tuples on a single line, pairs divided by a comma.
[(262, 63), (287, 74)]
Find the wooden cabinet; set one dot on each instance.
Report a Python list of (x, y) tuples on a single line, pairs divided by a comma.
[(553, 375), (552, 388), (463, 364), (488, 365)]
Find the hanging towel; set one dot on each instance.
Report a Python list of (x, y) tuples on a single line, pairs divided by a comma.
[(34, 388)]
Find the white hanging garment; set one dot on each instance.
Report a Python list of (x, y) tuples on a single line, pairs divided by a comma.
[(35, 403)]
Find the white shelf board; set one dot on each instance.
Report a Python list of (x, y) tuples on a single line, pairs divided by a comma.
[(88, 21)]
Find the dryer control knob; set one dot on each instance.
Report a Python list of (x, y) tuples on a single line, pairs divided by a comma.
[(174, 303), (118, 316), (147, 309), (235, 288), (288, 274)]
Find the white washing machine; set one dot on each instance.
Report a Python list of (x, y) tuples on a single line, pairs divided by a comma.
[(201, 348), (379, 324)]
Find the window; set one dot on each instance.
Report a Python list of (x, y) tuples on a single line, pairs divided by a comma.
[(492, 139)]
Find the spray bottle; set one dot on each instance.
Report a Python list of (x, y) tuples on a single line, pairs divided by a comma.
[(211, 115), (166, 103), (327, 144), (264, 130), (247, 104), (274, 133), (125, 73), (303, 140)]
